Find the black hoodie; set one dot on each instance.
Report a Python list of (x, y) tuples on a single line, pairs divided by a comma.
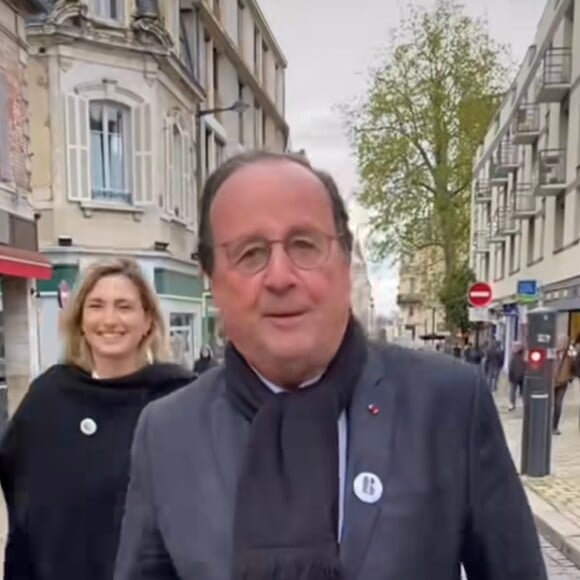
[(64, 469)]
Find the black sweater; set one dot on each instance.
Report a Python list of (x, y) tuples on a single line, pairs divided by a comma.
[(64, 483)]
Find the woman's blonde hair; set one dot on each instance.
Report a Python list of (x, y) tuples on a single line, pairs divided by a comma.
[(154, 347)]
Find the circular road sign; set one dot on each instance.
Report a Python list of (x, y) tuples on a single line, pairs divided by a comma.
[(480, 295)]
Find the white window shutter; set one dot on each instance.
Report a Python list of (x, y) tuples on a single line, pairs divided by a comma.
[(78, 147), (168, 193), (187, 179), (143, 186)]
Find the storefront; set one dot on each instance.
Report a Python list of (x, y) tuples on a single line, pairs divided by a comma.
[(19, 348)]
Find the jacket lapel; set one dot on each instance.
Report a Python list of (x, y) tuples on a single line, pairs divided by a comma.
[(370, 430)]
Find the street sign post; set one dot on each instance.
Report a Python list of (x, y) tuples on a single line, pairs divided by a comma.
[(480, 295), (538, 393)]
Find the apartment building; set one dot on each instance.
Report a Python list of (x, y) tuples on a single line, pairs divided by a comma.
[(362, 292), (20, 263), (133, 103), (526, 190), (420, 311)]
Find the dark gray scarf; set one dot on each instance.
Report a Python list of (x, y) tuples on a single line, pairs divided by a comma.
[(286, 518)]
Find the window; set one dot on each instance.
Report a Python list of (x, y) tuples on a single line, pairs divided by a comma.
[(208, 149), (109, 152), (108, 145), (513, 255), (257, 47), (241, 16), (542, 230), (181, 325), (531, 240), (257, 125), (241, 131), (264, 123), (177, 171), (220, 152), (216, 71), (559, 223), (110, 9), (265, 63), (180, 184)]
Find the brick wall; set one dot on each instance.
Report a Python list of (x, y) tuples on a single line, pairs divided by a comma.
[(14, 142)]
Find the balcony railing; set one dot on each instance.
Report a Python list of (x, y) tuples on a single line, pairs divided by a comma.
[(526, 127), (551, 175), (524, 201), (554, 79), (508, 157), (506, 222), (482, 192), (481, 243)]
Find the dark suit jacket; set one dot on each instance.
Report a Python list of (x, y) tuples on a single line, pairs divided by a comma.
[(451, 493)]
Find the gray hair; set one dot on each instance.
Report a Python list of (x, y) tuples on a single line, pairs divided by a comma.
[(237, 162)]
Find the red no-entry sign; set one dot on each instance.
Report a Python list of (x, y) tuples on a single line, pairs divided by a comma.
[(480, 295)]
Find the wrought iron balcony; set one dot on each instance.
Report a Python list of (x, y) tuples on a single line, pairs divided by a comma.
[(524, 201), (497, 234), (507, 224), (551, 172), (555, 75), (526, 126), (507, 158), (482, 192), (481, 243)]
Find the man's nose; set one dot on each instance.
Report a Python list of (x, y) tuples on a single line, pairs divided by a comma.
[(279, 274)]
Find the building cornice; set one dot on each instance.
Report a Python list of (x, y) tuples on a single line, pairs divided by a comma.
[(55, 32)]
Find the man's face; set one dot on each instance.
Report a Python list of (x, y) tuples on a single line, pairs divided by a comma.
[(284, 319)]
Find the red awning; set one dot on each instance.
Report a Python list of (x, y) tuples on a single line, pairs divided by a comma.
[(24, 263)]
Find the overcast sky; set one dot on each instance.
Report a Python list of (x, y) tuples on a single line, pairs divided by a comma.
[(330, 44)]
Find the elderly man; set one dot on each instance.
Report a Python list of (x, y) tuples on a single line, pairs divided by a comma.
[(312, 454)]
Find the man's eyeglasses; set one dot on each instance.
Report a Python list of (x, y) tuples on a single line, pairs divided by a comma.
[(307, 250)]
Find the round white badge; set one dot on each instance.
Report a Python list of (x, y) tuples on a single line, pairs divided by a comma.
[(368, 487), (88, 427)]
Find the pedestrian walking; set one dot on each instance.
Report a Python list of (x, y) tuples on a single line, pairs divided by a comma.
[(516, 374), (64, 460), (246, 475), (565, 355), (493, 363), (204, 362)]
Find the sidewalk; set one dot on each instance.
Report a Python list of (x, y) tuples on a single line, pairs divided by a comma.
[(555, 499)]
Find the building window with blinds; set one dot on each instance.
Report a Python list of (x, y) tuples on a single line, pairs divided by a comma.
[(110, 153)]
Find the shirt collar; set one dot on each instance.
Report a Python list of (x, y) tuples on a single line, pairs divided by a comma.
[(277, 389)]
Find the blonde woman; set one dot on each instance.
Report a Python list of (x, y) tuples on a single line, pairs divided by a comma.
[(64, 460)]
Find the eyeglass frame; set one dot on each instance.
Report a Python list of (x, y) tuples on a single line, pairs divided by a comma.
[(329, 238)]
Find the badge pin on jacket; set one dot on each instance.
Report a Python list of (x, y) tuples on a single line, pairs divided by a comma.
[(368, 487)]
